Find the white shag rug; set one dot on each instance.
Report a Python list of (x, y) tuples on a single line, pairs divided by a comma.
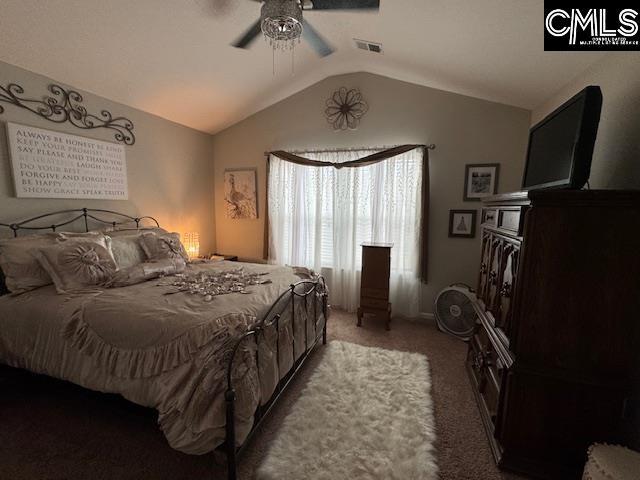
[(366, 413)]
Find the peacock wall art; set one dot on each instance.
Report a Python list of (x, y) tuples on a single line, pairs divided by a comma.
[(240, 193)]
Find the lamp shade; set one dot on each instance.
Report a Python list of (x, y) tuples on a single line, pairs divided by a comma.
[(191, 242)]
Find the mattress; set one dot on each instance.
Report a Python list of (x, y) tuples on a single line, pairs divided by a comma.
[(165, 351)]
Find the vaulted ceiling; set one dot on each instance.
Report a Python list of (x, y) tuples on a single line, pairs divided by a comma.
[(172, 58)]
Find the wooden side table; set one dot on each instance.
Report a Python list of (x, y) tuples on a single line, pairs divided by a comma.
[(374, 282)]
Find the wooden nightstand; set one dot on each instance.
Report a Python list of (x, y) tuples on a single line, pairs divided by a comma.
[(374, 283)]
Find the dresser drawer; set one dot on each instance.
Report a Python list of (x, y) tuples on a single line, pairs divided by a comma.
[(491, 395), (487, 368), (375, 293), (509, 219), (496, 366), (490, 217), (374, 303), (474, 358)]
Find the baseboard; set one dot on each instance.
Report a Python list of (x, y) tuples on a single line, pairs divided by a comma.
[(428, 316), (422, 316)]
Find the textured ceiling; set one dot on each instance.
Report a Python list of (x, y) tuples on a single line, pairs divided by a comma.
[(172, 57)]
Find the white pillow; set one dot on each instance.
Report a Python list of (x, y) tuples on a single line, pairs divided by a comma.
[(127, 250), (162, 246), (78, 265), (19, 264)]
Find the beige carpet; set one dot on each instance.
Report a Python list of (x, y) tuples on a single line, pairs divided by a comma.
[(52, 430), (365, 413)]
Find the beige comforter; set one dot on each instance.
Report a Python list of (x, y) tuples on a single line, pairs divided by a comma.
[(168, 352)]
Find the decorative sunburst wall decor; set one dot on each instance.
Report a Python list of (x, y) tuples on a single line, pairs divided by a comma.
[(345, 108)]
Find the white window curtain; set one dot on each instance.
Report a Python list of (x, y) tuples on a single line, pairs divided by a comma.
[(320, 216)]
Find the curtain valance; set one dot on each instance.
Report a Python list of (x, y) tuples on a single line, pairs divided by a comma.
[(359, 162)]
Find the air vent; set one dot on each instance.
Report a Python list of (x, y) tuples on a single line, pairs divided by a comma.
[(369, 46)]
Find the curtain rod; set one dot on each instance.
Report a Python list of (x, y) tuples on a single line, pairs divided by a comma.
[(348, 149)]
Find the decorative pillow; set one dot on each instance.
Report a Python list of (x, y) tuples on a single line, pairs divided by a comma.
[(92, 236), (78, 265), (19, 264), (127, 250), (161, 246), (147, 271), (125, 244), (124, 232)]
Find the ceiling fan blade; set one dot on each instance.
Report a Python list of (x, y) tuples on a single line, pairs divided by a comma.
[(249, 36), (316, 41), (344, 4)]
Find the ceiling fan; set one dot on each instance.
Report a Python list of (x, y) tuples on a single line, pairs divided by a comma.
[(282, 24)]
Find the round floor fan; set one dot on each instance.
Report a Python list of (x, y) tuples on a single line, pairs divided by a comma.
[(454, 310)]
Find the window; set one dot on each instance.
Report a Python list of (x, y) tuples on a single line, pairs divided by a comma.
[(319, 217)]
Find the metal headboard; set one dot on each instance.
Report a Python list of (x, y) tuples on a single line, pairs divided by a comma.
[(83, 214)]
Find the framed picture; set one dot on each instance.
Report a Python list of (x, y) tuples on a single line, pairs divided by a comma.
[(241, 199), (462, 223), (480, 180)]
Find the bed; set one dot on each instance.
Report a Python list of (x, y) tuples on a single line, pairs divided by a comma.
[(212, 367)]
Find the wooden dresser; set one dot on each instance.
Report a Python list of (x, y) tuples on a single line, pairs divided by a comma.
[(374, 282), (554, 360)]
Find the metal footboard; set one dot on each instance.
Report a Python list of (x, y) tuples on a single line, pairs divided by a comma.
[(297, 295)]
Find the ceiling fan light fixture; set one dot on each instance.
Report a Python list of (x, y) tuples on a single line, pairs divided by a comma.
[(281, 23)]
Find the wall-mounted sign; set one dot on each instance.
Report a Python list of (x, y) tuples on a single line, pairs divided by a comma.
[(50, 164)]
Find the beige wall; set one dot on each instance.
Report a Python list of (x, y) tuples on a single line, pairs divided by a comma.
[(170, 167), (616, 158), (465, 129)]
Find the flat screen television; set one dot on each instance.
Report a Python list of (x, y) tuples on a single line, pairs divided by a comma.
[(561, 145)]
